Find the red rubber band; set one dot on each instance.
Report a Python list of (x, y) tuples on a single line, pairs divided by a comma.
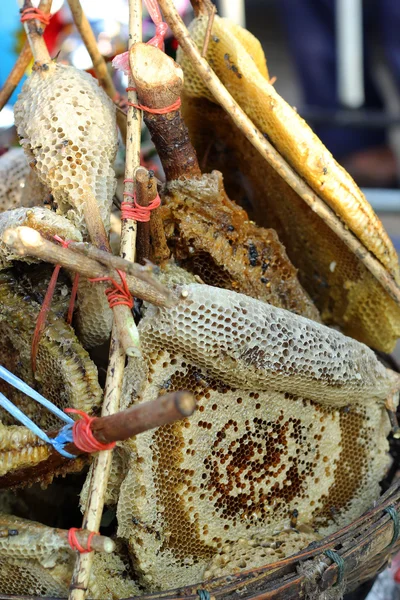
[(158, 111), (28, 14), (44, 309), (118, 294), (133, 210), (83, 436), (75, 545)]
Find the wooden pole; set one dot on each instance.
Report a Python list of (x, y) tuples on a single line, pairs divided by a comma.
[(159, 82)]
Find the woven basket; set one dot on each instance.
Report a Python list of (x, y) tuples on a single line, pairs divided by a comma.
[(360, 551)]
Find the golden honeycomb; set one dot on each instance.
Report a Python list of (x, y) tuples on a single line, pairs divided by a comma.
[(344, 291), (237, 58), (261, 444), (212, 237)]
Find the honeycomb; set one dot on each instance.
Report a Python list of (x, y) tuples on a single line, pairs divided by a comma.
[(14, 170), (64, 372), (237, 59), (37, 562), (20, 448), (212, 237), (257, 551), (286, 420), (345, 292), (67, 127)]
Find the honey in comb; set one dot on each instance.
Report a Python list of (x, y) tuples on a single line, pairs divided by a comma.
[(212, 237), (237, 59), (65, 374), (67, 125), (345, 292), (250, 455)]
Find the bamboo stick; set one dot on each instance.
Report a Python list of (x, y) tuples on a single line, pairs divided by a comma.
[(115, 371)]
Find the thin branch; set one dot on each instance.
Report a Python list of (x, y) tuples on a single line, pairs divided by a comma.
[(210, 23), (116, 365), (99, 64), (16, 74), (34, 31), (29, 242), (146, 191), (268, 152)]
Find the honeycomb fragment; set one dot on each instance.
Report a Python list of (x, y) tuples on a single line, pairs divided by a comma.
[(213, 238), (258, 447), (14, 171), (344, 291), (257, 551), (37, 562), (64, 372), (67, 125), (20, 448), (242, 69)]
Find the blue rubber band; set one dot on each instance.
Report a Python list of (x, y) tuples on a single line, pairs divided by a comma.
[(26, 389), (203, 594)]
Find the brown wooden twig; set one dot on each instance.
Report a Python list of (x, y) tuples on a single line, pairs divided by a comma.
[(159, 82), (268, 152), (143, 417), (146, 191), (99, 64), (211, 16), (29, 242), (34, 30), (16, 74)]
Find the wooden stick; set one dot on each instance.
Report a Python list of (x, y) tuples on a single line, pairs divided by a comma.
[(142, 417), (210, 23), (22, 63), (143, 272), (268, 152), (99, 64), (146, 191), (101, 467), (34, 31), (159, 82), (122, 425), (124, 322), (98, 543), (29, 242), (16, 74)]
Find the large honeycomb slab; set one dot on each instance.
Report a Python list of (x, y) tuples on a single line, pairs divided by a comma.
[(253, 453)]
